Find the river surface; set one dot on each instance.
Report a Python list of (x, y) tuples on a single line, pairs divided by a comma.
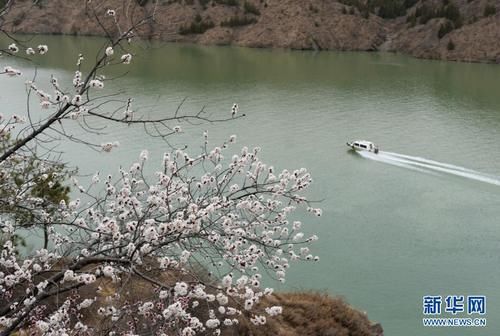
[(421, 218)]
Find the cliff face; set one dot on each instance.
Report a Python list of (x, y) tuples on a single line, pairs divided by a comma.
[(462, 30)]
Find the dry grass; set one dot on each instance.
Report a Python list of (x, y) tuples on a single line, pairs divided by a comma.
[(308, 314), (304, 313)]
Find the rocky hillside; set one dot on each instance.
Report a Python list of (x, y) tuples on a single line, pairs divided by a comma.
[(462, 30)]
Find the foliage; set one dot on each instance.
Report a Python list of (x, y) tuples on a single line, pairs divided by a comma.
[(452, 13), (490, 10), (392, 9), (204, 3), (445, 28), (228, 2), (424, 13), (197, 27), (448, 11), (450, 46), (250, 8), (388, 9), (313, 8), (237, 21)]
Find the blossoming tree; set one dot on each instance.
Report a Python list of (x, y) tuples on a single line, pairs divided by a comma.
[(197, 235)]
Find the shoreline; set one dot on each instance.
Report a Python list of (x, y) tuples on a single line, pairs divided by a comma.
[(282, 49)]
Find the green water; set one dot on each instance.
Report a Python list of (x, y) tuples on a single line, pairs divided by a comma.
[(389, 234)]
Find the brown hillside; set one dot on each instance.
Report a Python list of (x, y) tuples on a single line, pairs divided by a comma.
[(312, 314), (425, 29)]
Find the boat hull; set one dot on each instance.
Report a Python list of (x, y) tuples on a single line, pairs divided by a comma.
[(372, 149)]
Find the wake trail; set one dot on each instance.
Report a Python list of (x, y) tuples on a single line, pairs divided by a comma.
[(378, 157), (432, 162), (429, 166)]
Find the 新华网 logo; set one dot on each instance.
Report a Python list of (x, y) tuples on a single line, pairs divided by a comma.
[(454, 311)]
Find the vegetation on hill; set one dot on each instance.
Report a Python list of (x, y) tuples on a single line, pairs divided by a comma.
[(418, 28), (387, 9)]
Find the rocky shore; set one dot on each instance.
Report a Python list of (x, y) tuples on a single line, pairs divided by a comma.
[(457, 30)]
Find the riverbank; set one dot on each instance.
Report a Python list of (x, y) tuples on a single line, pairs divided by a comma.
[(303, 313), (458, 30)]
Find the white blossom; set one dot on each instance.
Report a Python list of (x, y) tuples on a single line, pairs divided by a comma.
[(95, 83), (42, 49), (274, 310), (109, 51), (13, 48), (108, 146), (234, 109), (126, 59), (212, 323), (77, 100)]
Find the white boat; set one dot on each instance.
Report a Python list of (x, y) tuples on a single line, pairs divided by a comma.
[(363, 145)]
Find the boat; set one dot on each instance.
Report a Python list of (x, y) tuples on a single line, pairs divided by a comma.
[(363, 145)]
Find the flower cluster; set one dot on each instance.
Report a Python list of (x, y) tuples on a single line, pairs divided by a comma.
[(234, 109), (42, 49), (236, 217)]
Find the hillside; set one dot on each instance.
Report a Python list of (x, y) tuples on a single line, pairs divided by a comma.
[(304, 313), (459, 30)]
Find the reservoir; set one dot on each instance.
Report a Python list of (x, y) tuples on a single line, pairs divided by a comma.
[(420, 218)]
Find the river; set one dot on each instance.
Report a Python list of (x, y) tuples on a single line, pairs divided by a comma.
[(421, 218)]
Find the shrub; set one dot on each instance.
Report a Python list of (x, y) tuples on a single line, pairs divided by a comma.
[(424, 13), (391, 9), (204, 3), (196, 27), (384, 8), (411, 20), (410, 3), (313, 9), (228, 2), (452, 13), (250, 8), (451, 45), (17, 21), (448, 11), (490, 10), (445, 29)]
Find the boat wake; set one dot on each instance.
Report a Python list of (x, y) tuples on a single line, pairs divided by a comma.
[(429, 166)]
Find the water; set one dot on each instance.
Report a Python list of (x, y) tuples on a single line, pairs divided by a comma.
[(395, 227), (429, 166)]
